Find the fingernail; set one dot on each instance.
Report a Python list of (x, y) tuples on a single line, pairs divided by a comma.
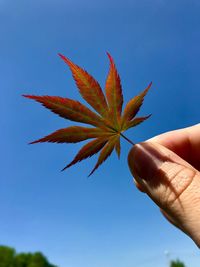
[(144, 160)]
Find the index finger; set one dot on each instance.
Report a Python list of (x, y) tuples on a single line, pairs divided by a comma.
[(184, 142)]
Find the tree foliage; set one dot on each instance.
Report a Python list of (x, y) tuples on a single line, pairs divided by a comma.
[(177, 263), (9, 258)]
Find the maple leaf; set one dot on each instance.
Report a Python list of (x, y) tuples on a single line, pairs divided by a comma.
[(107, 120)]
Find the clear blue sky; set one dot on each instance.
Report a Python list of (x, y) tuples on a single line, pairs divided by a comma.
[(103, 220)]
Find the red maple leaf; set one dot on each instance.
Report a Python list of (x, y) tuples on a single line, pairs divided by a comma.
[(108, 122)]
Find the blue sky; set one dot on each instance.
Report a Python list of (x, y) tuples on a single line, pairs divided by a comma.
[(103, 220)]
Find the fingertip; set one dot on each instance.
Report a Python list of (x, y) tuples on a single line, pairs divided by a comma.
[(139, 186), (131, 158)]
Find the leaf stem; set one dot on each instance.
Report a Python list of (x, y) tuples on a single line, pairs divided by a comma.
[(127, 139)]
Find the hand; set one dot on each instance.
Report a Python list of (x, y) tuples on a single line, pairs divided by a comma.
[(167, 167)]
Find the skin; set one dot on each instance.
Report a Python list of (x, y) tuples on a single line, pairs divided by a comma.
[(167, 168)]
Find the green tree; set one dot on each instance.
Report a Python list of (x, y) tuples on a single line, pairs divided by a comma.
[(9, 258), (177, 263), (22, 259)]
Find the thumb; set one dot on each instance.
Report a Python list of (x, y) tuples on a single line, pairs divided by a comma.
[(172, 183)]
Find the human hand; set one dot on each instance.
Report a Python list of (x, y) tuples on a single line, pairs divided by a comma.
[(167, 167)]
